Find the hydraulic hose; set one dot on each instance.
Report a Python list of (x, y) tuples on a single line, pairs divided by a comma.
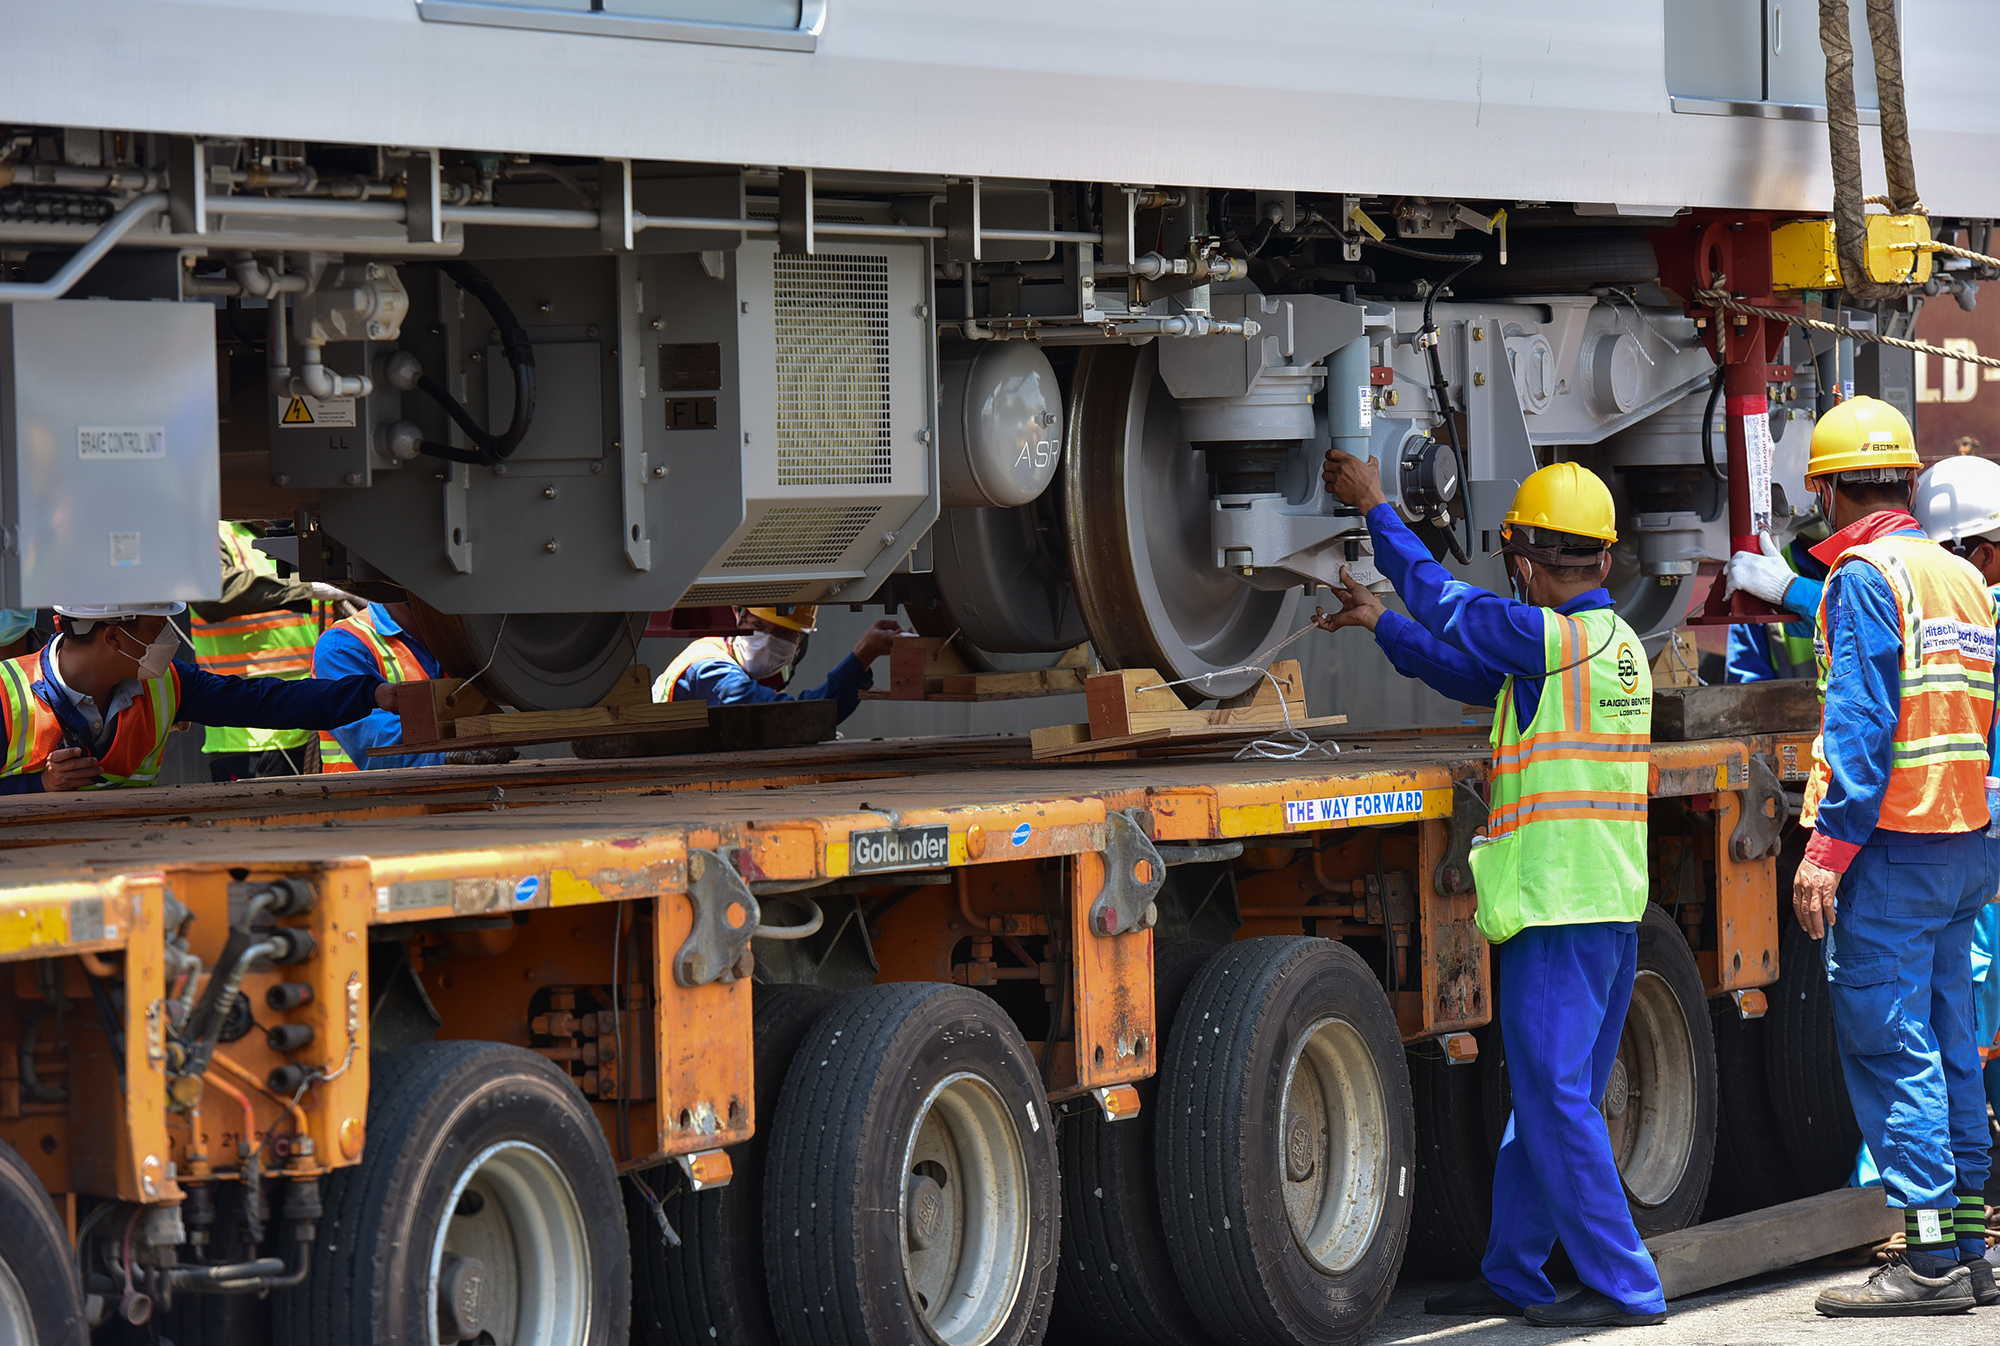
[(1708, 428), (492, 448)]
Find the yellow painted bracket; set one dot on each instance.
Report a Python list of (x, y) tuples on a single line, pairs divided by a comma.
[(1805, 254)]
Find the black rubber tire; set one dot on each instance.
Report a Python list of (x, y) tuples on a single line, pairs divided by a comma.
[(35, 1250), (833, 1247), (1752, 1170), (1118, 1286), (1815, 1122), (1664, 950), (711, 1288), (431, 1109), (1451, 1211), (1221, 1156)]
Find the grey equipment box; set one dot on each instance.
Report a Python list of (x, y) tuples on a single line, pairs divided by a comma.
[(109, 486)]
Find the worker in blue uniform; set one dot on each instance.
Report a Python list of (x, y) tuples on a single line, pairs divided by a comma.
[(93, 708), (1790, 579), (1898, 866), (1561, 871), (756, 664)]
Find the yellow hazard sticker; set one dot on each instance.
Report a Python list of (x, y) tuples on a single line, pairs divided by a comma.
[(297, 413), (300, 412)]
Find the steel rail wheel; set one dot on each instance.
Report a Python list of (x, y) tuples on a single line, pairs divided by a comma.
[(485, 1209), (1659, 1105), (1286, 1144), (534, 660), (910, 1183), (1136, 497)]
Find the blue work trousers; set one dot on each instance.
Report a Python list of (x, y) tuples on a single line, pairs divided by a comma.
[(1564, 990), (1899, 960)]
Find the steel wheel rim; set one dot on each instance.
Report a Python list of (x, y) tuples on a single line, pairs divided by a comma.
[(1333, 1135), (1136, 496), (963, 1284), (528, 1232), (17, 1315), (1653, 1132)]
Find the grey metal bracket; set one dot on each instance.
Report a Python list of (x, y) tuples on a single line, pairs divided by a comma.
[(187, 185), (795, 211), (1468, 815), (614, 204), (424, 187), (1760, 827), (1134, 873), (630, 449), (725, 917)]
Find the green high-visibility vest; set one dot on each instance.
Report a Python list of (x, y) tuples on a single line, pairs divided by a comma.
[(257, 645), (1565, 840)]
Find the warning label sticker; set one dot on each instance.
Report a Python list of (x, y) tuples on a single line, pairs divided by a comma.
[(299, 413)]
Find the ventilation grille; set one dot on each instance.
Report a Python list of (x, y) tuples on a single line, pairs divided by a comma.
[(833, 369), (801, 537), (749, 595)]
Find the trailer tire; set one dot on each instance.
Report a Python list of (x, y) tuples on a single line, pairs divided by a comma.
[(1451, 1208), (1664, 1136), (448, 1121), (1815, 1120), (1117, 1286), (711, 1288), (899, 1091), (1752, 1170), (41, 1297), (1286, 1144)]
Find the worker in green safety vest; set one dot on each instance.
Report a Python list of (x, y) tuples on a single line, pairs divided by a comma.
[(1561, 871), (263, 626)]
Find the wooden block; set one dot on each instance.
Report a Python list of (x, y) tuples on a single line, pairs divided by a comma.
[(1708, 1255), (746, 728), (1051, 738), (916, 661), (1676, 664), (429, 708), (1133, 701), (996, 686), (1680, 714), (1114, 697), (633, 688)]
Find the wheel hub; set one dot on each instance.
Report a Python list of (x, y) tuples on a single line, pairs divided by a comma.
[(965, 1212), (1649, 1105), (1336, 1146), (511, 1264)]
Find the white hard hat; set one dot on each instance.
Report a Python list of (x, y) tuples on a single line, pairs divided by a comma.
[(1958, 498), (117, 612)]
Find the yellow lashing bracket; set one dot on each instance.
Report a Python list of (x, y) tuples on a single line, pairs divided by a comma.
[(1804, 257)]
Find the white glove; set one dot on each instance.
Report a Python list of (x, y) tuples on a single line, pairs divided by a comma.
[(327, 593), (1767, 576)]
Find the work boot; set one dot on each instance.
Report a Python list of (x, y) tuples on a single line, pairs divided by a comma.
[(1474, 1299), (1984, 1292), (1590, 1308), (1898, 1291)]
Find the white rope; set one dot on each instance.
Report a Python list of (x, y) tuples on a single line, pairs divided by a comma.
[(1290, 743)]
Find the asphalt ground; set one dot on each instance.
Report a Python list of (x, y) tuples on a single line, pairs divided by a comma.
[(1771, 1310)]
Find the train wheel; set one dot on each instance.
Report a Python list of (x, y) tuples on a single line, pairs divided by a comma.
[(1660, 1103), (534, 660), (485, 1210), (910, 1185), (41, 1300), (1286, 1144), (1809, 1100), (1118, 1286), (711, 1288)]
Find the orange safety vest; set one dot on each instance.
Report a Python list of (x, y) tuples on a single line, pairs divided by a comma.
[(394, 660), (708, 647), (138, 736), (1939, 762)]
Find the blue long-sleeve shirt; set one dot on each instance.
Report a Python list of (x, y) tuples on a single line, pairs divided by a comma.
[(722, 682), (339, 652), (1749, 658), (213, 698), (1461, 640), (1864, 703)]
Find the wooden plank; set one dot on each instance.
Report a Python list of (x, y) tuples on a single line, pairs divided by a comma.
[(1051, 737), (633, 688), (997, 686), (1182, 737), (1681, 714), (750, 728), (1708, 1255), (666, 714), (1135, 701)]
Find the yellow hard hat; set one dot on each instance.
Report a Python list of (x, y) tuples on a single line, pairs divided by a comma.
[(792, 616), (1568, 499), (1859, 434)]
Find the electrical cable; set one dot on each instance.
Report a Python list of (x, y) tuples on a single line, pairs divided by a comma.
[(1708, 428), (492, 448)]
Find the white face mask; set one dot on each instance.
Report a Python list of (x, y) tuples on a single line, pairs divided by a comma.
[(762, 654), (159, 655)]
